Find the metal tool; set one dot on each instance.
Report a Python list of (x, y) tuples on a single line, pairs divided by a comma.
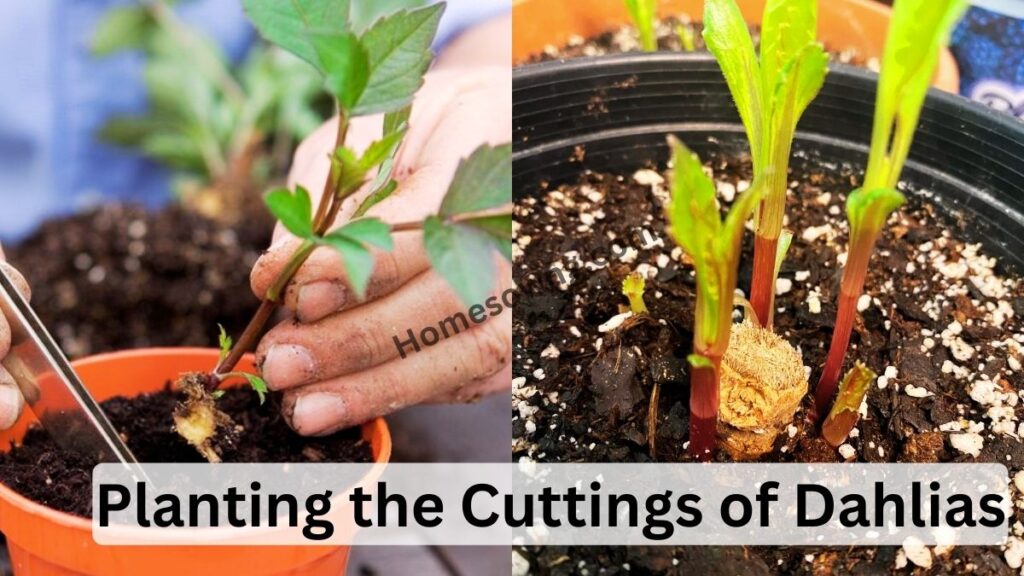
[(50, 386)]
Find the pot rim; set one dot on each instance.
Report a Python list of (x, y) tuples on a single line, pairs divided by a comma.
[(79, 523)]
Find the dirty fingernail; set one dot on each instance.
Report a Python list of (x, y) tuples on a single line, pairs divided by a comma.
[(288, 365), (320, 299), (318, 412)]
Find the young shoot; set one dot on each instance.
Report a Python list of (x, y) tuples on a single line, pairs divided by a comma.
[(917, 32), (687, 37), (368, 68), (846, 411), (771, 94), (714, 247), (644, 13), (633, 289)]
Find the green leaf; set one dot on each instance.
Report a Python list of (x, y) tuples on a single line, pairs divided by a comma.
[(693, 211), (122, 28), (785, 241), (787, 27), (398, 47), (378, 195), (258, 384), (643, 13), (397, 120), (698, 361), (295, 211), (225, 343), (218, 394), (345, 65), (356, 259), (917, 32), (372, 231), (347, 171), (867, 210), (498, 227), (463, 256), (483, 181), (291, 24), (728, 38), (366, 13), (380, 150)]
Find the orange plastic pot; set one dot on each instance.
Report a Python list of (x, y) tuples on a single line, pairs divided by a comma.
[(842, 24), (45, 542)]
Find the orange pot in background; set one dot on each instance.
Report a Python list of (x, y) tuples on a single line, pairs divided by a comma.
[(842, 24), (45, 542)]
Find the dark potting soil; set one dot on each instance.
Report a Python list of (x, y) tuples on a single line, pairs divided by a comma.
[(941, 322), (119, 277), (627, 39), (62, 480)]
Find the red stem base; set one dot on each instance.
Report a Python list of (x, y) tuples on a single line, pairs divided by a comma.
[(704, 411), (762, 283), (825, 392)]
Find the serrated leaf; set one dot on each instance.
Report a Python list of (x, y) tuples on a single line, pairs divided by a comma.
[(291, 23), (380, 150), (483, 181), (121, 28), (225, 343), (693, 211), (398, 47), (347, 171), (463, 257), (356, 259), (345, 64), (397, 120), (258, 384), (728, 38), (372, 231), (498, 227), (295, 211), (787, 27)]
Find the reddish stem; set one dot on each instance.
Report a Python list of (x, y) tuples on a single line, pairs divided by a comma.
[(762, 284), (704, 410), (829, 380)]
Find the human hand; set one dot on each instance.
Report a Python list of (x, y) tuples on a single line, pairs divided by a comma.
[(11, 401), (338, 362)]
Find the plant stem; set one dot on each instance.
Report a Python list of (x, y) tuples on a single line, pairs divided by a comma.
[(762, 288), (326, 210), (704, 410)]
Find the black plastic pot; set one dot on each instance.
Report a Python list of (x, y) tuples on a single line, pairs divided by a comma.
[(619, 108)]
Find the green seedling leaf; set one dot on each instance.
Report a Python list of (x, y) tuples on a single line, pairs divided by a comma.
[(785, 241), (463, 256), (728, 38), (917, 32), (483, 181), (225, 343), (687, 37), (381, 150), (380, 193), (398, 47), (698, 361), (291, 24), (370, 231), (643, 13), (258, 384), (713, 245), (498, 227), (356, 258), (295, 211), (846, 410), (122, 28), (218, 394), (867, 211), (345, 64), (633, 289), (787, 27)]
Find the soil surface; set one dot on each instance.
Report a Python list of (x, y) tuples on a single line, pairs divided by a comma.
[(60, 479), (627, 39), (941, 322), (120, 277)]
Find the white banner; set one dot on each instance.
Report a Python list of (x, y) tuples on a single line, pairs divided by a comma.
[(551, 504)]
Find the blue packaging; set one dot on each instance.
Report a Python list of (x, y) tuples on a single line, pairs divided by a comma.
[(988, 44)]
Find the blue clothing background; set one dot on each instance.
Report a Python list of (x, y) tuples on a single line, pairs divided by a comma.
[(57, 96)]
